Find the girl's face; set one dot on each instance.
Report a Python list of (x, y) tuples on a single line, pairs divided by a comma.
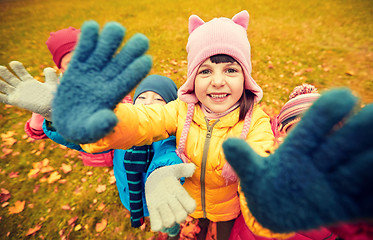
[(65, 61), (219, 86), (149, 97)]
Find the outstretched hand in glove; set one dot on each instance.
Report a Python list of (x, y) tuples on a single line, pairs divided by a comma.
[(23, 91), (168, 202), (96, 81), (320, 175)]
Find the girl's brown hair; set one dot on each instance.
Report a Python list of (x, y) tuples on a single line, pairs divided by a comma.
[(246, 102), (247, 99)]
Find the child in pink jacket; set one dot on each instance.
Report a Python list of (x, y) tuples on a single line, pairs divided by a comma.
[(61, 45), (300, 100)]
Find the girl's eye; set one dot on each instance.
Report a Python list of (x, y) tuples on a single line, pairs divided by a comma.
[(141, 97), (204, 71), (159, 99), (231, 70)]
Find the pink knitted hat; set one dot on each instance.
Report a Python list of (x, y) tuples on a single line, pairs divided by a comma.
[(61, 43), (218, 36), (301, 99)]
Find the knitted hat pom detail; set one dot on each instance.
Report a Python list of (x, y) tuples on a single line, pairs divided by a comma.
[(300, 99), (303, 89)]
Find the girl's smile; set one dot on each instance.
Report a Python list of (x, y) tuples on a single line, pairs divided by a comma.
[(218, 97), (219, 86)]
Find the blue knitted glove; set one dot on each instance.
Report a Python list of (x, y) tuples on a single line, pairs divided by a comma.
[(321, 174), (172, 231), (95, 81)]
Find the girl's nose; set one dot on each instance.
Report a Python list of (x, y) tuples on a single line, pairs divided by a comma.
[(218, 80), (149, 101)]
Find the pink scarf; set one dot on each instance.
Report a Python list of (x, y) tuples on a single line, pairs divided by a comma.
[(212, 115)]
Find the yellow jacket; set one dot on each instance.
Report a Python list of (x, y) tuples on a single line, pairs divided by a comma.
[(215, 199)]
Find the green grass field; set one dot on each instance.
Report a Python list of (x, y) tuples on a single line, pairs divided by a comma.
[(325, 43)]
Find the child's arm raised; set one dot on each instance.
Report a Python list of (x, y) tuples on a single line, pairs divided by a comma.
[(96, 81), (138, 125), (321, 174)]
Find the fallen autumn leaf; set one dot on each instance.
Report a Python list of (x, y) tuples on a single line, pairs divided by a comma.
[(65, 168), (101, 226), (32, 231), (54, 177), (17, 208), (101, 188), (4, 195), (72, 220)]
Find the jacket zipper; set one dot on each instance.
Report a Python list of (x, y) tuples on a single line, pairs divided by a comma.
[(204, 162)]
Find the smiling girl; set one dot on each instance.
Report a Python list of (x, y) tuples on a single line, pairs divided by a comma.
[(218, 100)]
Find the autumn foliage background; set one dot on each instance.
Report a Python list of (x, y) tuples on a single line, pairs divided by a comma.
[(45, 190)]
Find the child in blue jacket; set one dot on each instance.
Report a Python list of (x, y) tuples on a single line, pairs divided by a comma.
[(133, 166), (154, 89)]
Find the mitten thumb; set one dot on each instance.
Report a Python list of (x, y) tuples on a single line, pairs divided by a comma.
[(98, 126), (183, 170), (51, 78), (242, 158)]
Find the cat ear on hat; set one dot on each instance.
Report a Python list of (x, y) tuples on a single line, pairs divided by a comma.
[(194, 22), (242, 19)]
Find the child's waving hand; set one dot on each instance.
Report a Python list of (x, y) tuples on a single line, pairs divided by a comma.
[(96, 81), (321, 174)]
